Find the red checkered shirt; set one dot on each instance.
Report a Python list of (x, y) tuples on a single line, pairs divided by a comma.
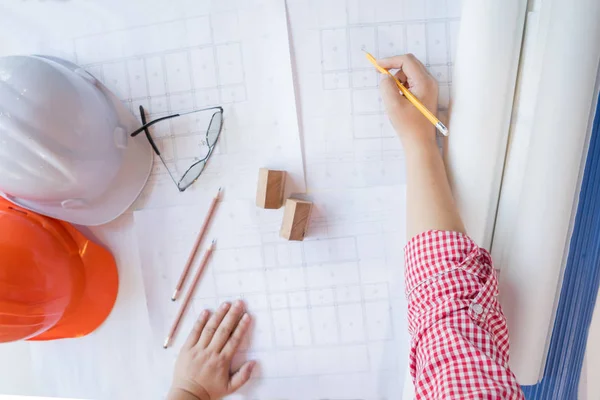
[(459, 338)]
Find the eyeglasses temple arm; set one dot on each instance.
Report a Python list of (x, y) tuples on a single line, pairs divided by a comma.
[(154, 146), (149, 124)]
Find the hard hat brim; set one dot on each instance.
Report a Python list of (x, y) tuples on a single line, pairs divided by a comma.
[(127, 185), (98, 297)]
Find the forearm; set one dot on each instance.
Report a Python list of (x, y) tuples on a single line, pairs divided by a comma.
[(459, 346), (430, 204)]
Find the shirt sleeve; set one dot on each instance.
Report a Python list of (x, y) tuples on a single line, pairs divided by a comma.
[(459, 337)]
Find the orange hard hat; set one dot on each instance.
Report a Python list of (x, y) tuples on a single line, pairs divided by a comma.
[(54, 283)]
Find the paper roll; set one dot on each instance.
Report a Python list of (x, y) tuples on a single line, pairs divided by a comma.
[(536, 228), (483, 87)]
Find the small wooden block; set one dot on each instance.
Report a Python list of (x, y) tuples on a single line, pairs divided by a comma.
[(295, 219), (271, 186)]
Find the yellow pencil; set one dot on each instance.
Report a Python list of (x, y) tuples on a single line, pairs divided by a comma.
[(411, 97)]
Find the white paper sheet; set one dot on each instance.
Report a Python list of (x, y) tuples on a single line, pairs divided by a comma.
[(349, 141), (536, 214), (329, 312), (164, 56), (178, 57), (487, 57)]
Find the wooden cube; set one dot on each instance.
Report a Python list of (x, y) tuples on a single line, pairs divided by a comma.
[(271, 187), (295, 219)]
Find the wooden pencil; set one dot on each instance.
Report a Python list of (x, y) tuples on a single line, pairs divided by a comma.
[(190, 294), (190, 260)]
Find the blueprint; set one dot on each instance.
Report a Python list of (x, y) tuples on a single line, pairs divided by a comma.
[(325, 309), (330, 312)]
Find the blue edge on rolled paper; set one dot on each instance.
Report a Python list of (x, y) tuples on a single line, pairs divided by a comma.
[(579, 288)]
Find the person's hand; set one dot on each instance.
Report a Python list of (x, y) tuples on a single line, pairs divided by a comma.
[(407, 120), (203, 367)]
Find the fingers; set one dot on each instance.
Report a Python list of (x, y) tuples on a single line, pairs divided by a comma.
[(227, 326), (237, 337), (401, 76), (414, 76), (212, 325), (197, 330), (241, 376), (408, 63), (391, 94)]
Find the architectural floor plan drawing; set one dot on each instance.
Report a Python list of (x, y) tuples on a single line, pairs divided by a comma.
[(348, 140), (329, 312), (325, 310)]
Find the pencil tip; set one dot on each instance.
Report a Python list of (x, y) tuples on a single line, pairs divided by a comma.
[(166, 343), (442, 128), (175, 293)]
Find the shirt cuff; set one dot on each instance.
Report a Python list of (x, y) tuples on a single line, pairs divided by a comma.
[(432, 254)]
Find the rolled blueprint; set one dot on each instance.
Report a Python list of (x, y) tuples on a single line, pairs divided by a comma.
[(483, 86), (543, 173)]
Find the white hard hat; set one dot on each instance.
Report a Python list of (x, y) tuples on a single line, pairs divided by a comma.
[(65, 149)]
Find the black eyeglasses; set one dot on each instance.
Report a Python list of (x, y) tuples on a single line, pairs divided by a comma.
[(212, 136)]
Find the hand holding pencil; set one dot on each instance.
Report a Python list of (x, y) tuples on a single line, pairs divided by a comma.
[(413, 111)]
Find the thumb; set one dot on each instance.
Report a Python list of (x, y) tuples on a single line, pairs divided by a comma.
[(241, 376)]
